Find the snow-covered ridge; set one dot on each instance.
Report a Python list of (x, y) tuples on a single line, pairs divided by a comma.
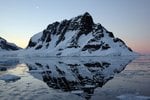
[(79, 36), (6, 46)]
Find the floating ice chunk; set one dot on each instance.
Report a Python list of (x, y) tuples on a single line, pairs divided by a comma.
[(9, 77), (77, 91), (133, 97), (89, 86)]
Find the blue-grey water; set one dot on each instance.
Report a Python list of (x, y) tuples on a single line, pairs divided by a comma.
[(84, 78)]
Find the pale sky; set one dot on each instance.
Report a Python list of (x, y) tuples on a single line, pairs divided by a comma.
[(127, 19)]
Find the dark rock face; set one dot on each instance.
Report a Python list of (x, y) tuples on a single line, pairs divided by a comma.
[(68, 34), (91, 47), (7, 46), (106, 46), (38, 47), (31, 44), (110, 34), (86, 23), (118, 40)]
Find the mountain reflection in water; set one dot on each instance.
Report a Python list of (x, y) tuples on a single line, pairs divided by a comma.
[(77, 75)]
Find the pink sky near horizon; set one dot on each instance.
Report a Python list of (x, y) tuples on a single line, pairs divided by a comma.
[(140, 48)]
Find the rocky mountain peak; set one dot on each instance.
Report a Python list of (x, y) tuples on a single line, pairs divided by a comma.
[(86, 22), (79, 36)]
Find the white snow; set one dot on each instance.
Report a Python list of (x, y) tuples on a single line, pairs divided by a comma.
[(36, 37)]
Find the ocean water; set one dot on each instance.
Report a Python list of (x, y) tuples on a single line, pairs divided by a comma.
[(72, 78)]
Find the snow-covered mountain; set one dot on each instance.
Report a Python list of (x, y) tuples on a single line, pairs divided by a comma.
[(79, 36), (6, 46)]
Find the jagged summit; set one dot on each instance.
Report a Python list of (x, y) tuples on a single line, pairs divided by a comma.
[(79, 36), (87, 22), (86, 14), (6, 46)]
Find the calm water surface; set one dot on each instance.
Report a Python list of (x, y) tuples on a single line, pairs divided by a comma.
[(84, 78)]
